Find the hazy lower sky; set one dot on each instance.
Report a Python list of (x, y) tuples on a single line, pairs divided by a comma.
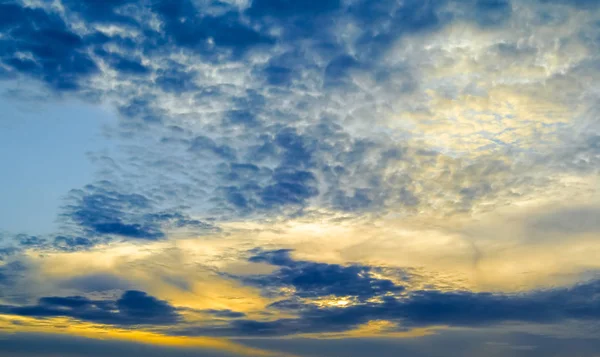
[(299, 178)]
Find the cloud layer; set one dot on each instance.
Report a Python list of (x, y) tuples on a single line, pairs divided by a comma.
[(315, 169)]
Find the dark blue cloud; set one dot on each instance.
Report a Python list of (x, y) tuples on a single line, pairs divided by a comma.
[(310, 279), (99, 210), (420, 309), (283, 188), (132, 308), (219, 32), (373, 298), (187, 26), (138, 306), (124, 229), (40, 44)]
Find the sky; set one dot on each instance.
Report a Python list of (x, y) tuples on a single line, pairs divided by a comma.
[(296, 178)]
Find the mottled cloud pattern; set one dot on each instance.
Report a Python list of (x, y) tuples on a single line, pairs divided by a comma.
[(386, 173)]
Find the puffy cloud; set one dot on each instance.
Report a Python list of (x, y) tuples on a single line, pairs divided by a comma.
[(40, 44), (99, 211), (103, 212), (319, 155)]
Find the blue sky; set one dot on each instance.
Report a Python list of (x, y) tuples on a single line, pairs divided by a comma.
[(299, 178), (44, 145)]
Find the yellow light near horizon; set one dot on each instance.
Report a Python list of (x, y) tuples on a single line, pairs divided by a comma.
[(70, 327)]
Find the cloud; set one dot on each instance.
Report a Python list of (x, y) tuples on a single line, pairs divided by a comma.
[(310, 279), (41, 45), (237, 112), (206, 34), (311, 291), (132, 308), (428, 308), (100, 211), (241, 67)]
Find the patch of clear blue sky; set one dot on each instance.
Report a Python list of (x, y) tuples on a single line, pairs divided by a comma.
[(43, 155)]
